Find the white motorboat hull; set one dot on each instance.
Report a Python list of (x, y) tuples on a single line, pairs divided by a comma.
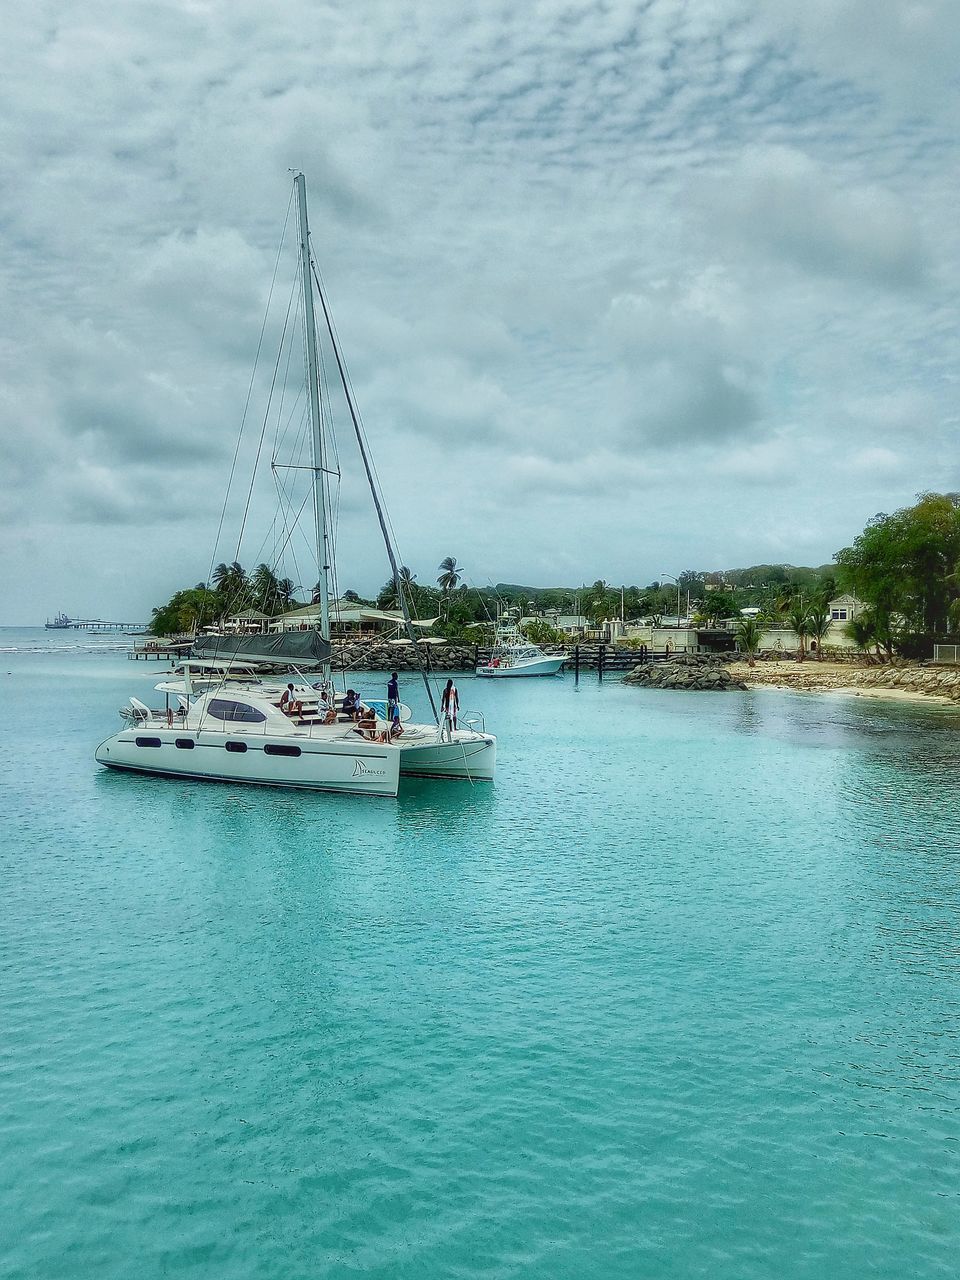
[(539, 667), (360, 768), (464, 754)]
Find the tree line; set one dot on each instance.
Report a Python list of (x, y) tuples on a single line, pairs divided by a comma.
[(904, 567)]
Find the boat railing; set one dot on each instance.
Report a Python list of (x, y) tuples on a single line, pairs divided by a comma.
[(472, 720)]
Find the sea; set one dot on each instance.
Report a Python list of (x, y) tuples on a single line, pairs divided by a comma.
[(677, 996)]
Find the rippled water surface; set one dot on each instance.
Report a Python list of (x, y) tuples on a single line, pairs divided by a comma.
[(678, 996)]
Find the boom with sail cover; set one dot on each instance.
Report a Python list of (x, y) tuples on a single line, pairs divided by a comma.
[(285, 648)]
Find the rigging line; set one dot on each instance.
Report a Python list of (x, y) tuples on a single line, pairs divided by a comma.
[(291, 529), (286, 497), (286, 371), (377, 500), (246, 406), (287, 338), (297, 526), (351, 397), (263, 432)]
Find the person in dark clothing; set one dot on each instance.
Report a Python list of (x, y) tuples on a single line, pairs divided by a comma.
[(351, 705), (393, 694)]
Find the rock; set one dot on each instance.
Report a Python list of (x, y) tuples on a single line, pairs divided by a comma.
[(699, 672)]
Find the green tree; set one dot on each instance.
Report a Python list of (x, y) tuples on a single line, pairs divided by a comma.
[(902, 565), (389, 594), (861, 631), (718, 605), (232, 586), (263, 589), (286, 590), (448, 580), (186, 611), (748, 634), (797, 620), (818, 624), (788, 596), (450, 575), (601, 601), (539, 631)]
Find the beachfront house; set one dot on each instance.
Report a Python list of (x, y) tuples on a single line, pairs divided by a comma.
[(574, 625), (683, 637)]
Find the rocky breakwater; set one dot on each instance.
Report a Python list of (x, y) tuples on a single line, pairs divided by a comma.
[(898, 679), (383, 656), (697, 672)]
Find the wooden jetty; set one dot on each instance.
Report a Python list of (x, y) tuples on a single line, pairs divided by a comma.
[(601, 658), (161, 649)]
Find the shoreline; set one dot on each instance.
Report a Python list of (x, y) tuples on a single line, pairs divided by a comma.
[(936, 686)]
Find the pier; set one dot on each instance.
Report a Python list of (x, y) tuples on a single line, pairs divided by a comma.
[(161, 649), (95, 624), (601, 658)]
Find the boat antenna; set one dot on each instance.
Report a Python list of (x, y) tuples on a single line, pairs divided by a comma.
[(377, 501), (316, 423)]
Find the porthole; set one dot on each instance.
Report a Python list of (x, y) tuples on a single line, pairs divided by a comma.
[(280, 749), (186, 744), (236, 746), (150, 742)]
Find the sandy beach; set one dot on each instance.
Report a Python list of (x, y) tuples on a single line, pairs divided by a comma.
[(901, 682)]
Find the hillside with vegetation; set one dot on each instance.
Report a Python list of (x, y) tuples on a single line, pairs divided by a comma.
[(904, 567)]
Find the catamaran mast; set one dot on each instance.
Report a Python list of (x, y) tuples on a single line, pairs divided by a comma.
[(316, 423), (377, 502)]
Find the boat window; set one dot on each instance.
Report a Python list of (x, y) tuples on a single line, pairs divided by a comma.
[(149, 742), (236, 746), (186, 744), (222, 709), (280, 749)]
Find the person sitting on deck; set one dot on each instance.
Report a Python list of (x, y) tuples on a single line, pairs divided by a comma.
[(395, 728), (351, 705), (289, 704), (366, 724)]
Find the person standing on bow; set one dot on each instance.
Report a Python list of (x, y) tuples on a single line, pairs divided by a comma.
[(450, 704), (393, 697)]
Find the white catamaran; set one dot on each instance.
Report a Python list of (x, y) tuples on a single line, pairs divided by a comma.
[(224, 718)]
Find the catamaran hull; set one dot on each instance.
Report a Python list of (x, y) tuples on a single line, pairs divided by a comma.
[(368, 769), (542, 667), (470, 757)]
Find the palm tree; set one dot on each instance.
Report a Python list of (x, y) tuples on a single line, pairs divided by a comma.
[(600, 601), (232, 585), (818, 624), (285, 589), (389, 597), (788, 597), (264, 587), (748, 634), (450, 575), (797, 619), (861, 631)]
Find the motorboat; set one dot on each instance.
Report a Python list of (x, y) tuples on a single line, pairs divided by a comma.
[(230, 715), (514, 655)]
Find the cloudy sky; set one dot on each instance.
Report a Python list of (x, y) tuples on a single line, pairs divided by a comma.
[(624, 288)]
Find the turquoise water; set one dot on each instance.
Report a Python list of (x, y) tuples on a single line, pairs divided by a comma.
[(678, 996)]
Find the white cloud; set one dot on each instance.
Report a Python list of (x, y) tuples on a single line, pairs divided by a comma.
[(781, 200), (592, 265)]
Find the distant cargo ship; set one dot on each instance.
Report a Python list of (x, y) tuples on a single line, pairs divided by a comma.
[(60, 623)]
